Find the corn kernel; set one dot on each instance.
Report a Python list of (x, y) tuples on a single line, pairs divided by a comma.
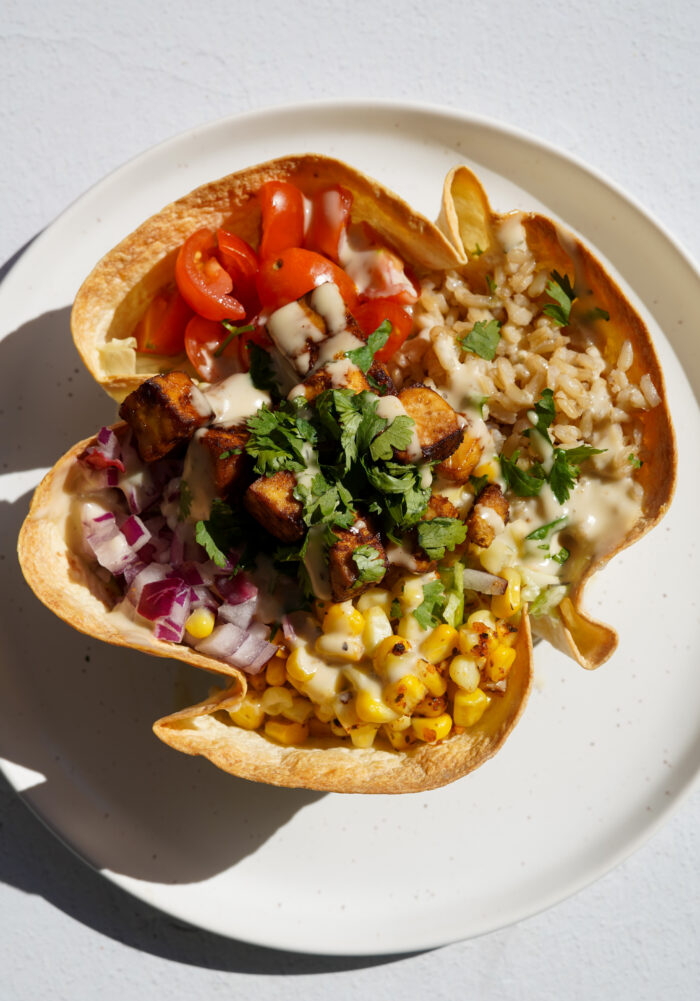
[(439, 644), (377, 628), (506, 633), (324, 713), (465, 673), (402, 723), (501, 662), (250, 714), (491, 468), (411, 593), (286, 733), (337, 729), (400, 739), (372, 710), (431, 705), (431, 730), (433, 679), (299, 711), (256, 682), (363, 735), (404, 695), (276, 700), (300, 665), (200, 623), (507, 604), (376, 597), (343, 618), (411, 629), (484, 618), (275, 673), (344, 710), (388, 654), (320, 608), (469, 707), (341, 646)]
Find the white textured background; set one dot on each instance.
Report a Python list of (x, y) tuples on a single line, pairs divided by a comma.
[(89, 85)]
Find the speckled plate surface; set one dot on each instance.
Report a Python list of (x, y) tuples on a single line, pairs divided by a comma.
[(598, 759)]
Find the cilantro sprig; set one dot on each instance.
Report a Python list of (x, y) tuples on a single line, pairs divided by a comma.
[(220, 533), (364, 356), (561, 290), (282, 439), (370, 565), (429, 611), (233, 331), (483, 339), (439, 534)]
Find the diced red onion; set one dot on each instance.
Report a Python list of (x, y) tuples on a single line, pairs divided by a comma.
[(203, 598), (222, 642), (103, 537), (255, 651), (135, 532), (104, 454), (241, 614), (236, 589), (167, 604), (484, 583), (288, 629), (149, 574)]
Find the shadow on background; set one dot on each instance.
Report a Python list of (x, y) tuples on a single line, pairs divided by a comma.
[(79, 713)]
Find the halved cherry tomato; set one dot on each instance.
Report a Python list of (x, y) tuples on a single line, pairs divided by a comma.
[(161, 330), (384, 276), (330, 215), (203, 338), (258, 336), (203, 282), (282, 206), (241, 262), (372, 314), (295, 272)]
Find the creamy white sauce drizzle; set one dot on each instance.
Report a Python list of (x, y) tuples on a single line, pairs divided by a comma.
[(291, 327), (336, 346), (401, 556), (199, 402), (327, 301), (198, 471), (235, 398)]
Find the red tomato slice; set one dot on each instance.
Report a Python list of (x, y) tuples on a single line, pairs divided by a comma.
[(330, 215), (282, 206), (370, 315), (384, 276), (161, 330), (295, 272), (202, 281), (203, 338), (241, 262)]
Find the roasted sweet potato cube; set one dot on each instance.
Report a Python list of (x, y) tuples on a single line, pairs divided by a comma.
[(344, 574), (226, 449), (439, 428), (336, 375), (410, 556), (464, 460), (163, 412), (380, 380), (491, 508), (271, 500)]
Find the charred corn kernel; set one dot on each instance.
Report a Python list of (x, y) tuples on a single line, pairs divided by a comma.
[(506, 633), (389, 653), (410, 628), (501, 662), (484, 618), (320, 608), (433, 679), (341, 646), (337, 728), (465, 673), (400, 739), (286, 733), (200, 623), (371, 709), (404, 695), (411, 593), (507, 604), (363, 736), (300, 665), (275, 673), (490, 468), (402, 723), (343, 618), (319, 729), (299, 711), (469, 707), (439, 644), (376, 597), (431, 730), (377, 628), (250, 714), (276, 700), (431, 705), (344, 710)]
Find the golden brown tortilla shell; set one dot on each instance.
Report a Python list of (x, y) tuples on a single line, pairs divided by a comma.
[(68, 584), (251, 755), (466, 212), (116, 294)]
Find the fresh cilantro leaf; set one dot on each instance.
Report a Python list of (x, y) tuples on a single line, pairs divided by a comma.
[(491, 284), (545, 413), (544, 530), (185, 503), (430, 609), (233, 331), (439, 534), (262, 372), (524, 483), (281, 439), (562, 556), (479, 484), (364, 356), (370, 565), (561, 290), (565, 469), (398, 435), (635, 461), (395, 610), (220, 533), (325, 502), (483, 339)]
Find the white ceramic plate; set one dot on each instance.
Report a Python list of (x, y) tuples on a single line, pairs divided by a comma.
[(598, 759)]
